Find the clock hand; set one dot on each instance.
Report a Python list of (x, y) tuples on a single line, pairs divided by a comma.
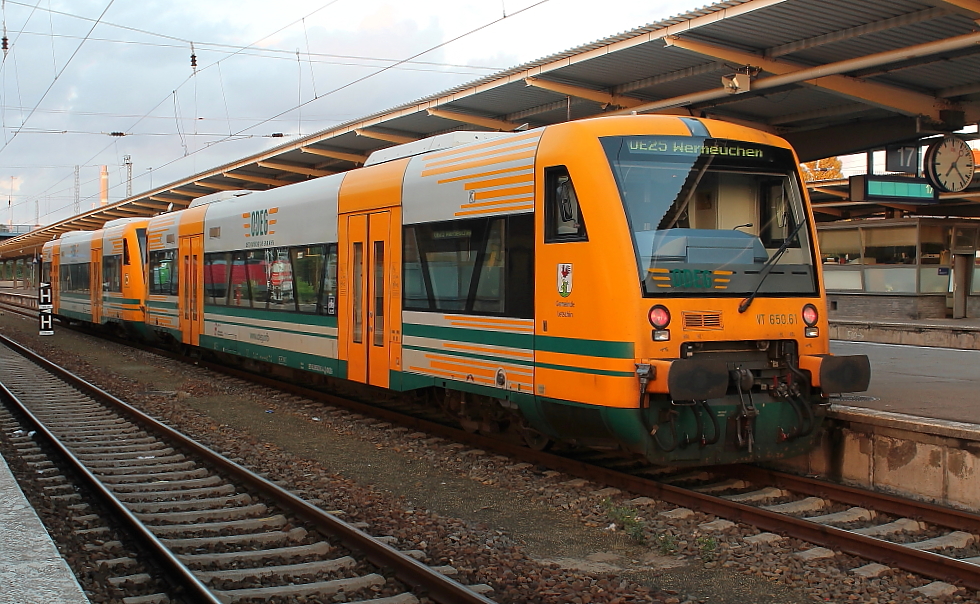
[(953, 165)]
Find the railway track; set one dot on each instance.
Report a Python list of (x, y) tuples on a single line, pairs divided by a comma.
[(888, 531), (222, 533)]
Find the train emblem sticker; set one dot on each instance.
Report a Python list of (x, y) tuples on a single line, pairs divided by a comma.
[(565, 280)]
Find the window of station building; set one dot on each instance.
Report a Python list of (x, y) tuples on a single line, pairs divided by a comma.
[(217, 271), (890, 259), (163, 274), (562, 214), (477, 266), (890, 245), (935, 258), (112, 273), (841, 246), (841, 250)]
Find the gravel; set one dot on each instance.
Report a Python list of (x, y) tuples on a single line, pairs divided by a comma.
[(534, 535)]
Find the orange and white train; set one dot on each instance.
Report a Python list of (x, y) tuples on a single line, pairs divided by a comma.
[(644, 282)]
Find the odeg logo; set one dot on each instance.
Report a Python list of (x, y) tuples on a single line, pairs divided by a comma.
[(259, 223)]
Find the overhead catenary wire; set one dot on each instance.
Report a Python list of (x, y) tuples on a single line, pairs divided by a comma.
[(165, 98), (55, 80), (354, 82)]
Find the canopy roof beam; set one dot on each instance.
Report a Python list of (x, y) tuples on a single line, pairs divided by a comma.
[(603, 98), (351, 157), (853, 32), (217, 186), (262, 180), (476, 120), (294, 168), (398, 139), (827, 77)]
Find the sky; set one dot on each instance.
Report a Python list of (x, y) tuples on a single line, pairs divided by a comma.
[(87, 82)]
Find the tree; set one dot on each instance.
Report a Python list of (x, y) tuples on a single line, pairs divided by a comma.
[(822, 169)]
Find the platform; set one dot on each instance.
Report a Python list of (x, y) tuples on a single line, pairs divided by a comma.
[(963, 334), (31, 569)]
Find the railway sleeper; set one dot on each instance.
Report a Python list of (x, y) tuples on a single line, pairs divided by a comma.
[(134, 462), (142, 469), (190, 516), (189, 504), (166, 485), (320, 548), (294, 535), (156, 476), (322, 588), (256, 524), (162, 452), (174, 495), (288, 570)]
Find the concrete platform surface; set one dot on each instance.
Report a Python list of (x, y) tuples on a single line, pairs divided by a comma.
[(942, 333), (938, 383), (31, 569)]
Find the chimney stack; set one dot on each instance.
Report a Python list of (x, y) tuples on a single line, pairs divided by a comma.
[(104, 188)]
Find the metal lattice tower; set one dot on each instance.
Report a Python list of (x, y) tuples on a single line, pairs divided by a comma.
[(128, 162), (78, 206)]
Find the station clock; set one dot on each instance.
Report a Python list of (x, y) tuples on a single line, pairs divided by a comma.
[(949, 164)]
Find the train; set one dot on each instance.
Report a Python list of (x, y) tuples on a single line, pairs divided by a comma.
[(643, 283)]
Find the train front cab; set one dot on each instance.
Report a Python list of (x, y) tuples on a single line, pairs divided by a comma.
[(639, 336), (119, 298), (71, 273)]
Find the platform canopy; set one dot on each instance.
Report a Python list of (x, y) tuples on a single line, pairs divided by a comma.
[(832, 76)]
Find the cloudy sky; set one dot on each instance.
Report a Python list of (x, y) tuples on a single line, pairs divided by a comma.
[(76, 72)]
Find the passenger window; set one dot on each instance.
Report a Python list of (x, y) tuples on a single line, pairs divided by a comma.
[(238, 293), (477, 266), (216, 278), (328, 295), (279, 276), (308, 263), (562, 214), (163, 273), (112, 273)]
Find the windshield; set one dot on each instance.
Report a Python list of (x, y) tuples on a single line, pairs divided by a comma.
[(706, 214)]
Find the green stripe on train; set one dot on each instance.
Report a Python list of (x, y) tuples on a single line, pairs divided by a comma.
[(115, 300), (154, 304), (271, 315), (592, 348), (279, 329), (277, 356), (485, 357)]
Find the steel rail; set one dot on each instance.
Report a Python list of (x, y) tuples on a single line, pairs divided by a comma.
[(886, 552), (179, 573), (878, 550), (437, 586), (882, 502)]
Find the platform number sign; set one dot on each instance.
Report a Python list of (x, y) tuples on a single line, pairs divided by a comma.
[(44, 308), (903, 159)]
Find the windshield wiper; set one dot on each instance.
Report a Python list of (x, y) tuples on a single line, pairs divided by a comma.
[(767, 267)]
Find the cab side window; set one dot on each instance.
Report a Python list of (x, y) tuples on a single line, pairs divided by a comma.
[(562, 214)]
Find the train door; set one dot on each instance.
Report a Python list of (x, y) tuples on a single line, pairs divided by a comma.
[(95, 281), (369, 276), (56, 279), (191, 279)]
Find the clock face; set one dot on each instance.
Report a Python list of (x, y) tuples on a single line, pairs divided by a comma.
[(949, 164)]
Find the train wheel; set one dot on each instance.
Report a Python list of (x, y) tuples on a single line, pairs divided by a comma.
[(536, 440)]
